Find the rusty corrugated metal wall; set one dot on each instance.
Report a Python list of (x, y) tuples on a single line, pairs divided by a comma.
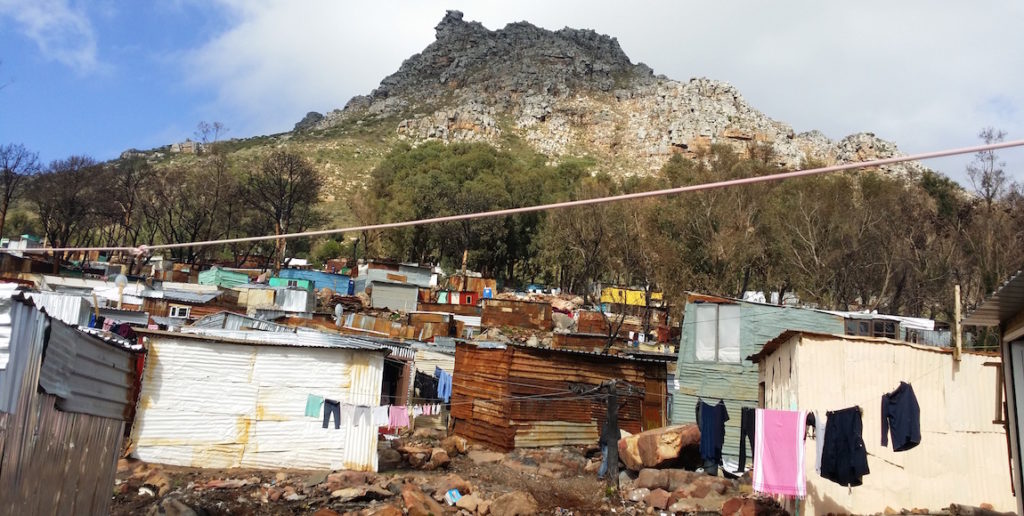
[(497, 395)]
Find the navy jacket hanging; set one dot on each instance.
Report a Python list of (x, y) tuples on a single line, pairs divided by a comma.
[(901, 415), (711, 421)]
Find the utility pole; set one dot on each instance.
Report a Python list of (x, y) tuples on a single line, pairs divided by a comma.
[(611, 422)]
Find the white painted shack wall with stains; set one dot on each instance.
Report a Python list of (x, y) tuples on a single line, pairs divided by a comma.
[(219, 405), (962, 457)]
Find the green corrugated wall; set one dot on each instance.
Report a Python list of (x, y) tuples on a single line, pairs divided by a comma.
[(736, 384)]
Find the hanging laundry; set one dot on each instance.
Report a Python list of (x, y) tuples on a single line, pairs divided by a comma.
[(444, 384), (347, 413), (399, 417), (126, 331), (779, 452), (332, 407), (844, 459), (819, 441), (711, 420), (425, 386), (361, 415), (380, 415), (92, 320), (747, 430), (901, 415), (417, 411), (107, 324), (313, 403)]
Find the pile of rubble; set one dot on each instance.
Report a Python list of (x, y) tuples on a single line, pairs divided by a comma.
[(425, 449)]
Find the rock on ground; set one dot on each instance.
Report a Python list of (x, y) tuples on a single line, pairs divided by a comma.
[(518, 503)]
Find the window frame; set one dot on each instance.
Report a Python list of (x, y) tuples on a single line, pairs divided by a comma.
[(735, 333), (172, 310)]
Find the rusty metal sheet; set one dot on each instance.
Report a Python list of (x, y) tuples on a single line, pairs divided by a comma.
[(516, 313), (469, 310)]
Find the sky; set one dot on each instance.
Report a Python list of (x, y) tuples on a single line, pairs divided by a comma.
[(99, 77)]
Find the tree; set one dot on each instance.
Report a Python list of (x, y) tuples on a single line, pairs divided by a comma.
[(283, 190), (16, 164), (64, 197), (986, 170)]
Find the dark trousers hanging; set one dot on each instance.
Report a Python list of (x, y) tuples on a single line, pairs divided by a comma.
[(746, 432), (332, 407)]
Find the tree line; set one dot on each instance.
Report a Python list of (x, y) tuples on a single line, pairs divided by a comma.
[(853, 240), (79, 202)]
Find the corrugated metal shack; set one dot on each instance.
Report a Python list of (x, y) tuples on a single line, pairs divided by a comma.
[(516, 313), (726, 331), (237, 398), (62, 415), (400, 297), (223, 278), (320, 280), (518, 396), (181, 304), (962, 453)]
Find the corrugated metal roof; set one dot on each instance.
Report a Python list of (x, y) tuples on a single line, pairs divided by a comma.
[(301, 338), (126, 316), (171, 322), (88, 375), (181, 295), (70, 308), (785, 336), (1006, 302), (589, 353), (232, 321)]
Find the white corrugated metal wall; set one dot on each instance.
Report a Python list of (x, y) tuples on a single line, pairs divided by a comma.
[(962, 455), (393, 296), (211, 404)]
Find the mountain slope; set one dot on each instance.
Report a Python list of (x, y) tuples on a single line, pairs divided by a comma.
[(575, 92)]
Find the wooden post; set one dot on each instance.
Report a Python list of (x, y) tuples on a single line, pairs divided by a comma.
[(612, 424), (957, 330)]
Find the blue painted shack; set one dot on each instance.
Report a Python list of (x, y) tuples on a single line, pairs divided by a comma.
[(717, 336), (318, 279)]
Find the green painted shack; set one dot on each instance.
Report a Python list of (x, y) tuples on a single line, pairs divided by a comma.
[(223, 278), (717, 336)]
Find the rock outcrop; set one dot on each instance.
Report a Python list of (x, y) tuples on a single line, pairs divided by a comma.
[(575, 92)]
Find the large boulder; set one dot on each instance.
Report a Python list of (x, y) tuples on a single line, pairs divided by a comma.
[(659, 447)]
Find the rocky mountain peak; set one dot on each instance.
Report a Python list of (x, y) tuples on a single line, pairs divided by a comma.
[(575, 92)]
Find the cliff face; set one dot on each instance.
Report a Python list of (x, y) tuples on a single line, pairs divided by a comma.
[(575, 92)]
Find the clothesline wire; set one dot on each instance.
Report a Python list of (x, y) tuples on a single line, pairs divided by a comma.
[(542, 207)]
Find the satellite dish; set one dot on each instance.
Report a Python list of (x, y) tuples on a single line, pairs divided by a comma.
[(338, 310), (121, 281)]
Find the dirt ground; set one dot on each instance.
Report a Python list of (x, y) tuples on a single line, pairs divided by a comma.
[(139, 487)]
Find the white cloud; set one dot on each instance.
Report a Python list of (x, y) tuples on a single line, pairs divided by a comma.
[(925, 75), (61, 32)]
